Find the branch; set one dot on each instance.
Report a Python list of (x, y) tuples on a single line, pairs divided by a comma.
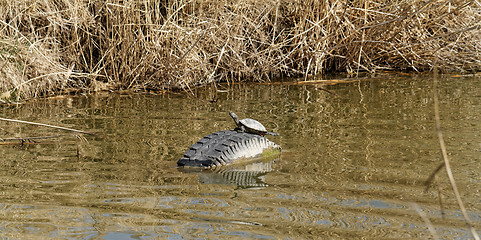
[(46, 125), (446, 162)]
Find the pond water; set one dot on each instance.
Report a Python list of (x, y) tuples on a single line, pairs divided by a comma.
[(354, 161)]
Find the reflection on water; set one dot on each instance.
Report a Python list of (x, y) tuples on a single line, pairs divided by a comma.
[(352, 164), (250, 175)]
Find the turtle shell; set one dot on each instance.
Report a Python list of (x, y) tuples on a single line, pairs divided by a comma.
[(252, 124)]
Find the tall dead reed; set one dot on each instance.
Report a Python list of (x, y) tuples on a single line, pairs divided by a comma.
[(161, 44)]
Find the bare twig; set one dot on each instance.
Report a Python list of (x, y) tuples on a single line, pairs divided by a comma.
[(46, 125), (440, 197), (191, 47), (447, 164), (432, 176), (426, 220), (401, 18)]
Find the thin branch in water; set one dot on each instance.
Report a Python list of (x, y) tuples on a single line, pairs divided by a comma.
[(440, 197), (426, 220), (431, 177), (325, 90), (46, 125), (444, 155)]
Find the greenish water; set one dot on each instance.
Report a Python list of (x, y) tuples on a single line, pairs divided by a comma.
[(353, 162)]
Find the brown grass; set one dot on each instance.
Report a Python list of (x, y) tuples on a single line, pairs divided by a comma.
[(50, 45)]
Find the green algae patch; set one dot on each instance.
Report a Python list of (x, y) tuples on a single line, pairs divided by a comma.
[(270, 153)]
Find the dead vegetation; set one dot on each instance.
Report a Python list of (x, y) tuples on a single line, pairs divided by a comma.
[(47, 46)]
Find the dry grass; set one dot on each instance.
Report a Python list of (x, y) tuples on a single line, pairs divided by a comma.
[(158, 44)]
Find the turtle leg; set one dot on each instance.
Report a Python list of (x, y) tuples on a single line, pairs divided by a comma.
[(240, 129)]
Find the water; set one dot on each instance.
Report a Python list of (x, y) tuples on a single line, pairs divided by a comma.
[(353, 164)]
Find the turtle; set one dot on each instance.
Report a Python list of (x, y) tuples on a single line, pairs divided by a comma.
[(250, 126), (246, 141)]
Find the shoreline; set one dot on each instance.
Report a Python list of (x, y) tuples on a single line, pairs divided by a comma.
[(47, 47)]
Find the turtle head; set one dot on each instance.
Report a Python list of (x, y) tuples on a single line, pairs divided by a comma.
[(234, 116)]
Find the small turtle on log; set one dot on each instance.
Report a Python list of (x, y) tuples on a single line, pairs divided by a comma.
[(250, 126), (222, 148)]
